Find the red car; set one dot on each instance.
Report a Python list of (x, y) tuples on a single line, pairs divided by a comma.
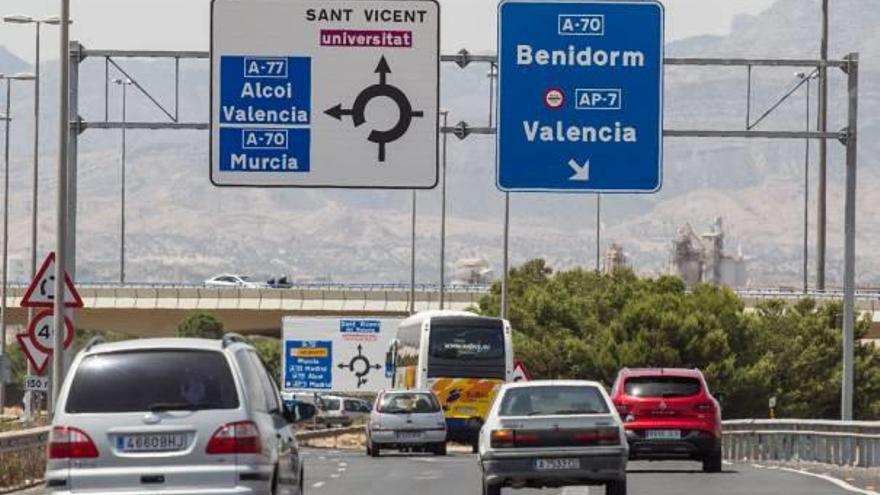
[(669, 414)]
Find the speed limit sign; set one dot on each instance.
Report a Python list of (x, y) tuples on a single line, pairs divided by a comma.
[(42, 331)]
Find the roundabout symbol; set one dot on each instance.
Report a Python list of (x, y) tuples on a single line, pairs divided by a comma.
[(360, 365), (358, 111)]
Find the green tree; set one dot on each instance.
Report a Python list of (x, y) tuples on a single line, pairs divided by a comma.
[(200, 325), (580, 324), (269, 350)]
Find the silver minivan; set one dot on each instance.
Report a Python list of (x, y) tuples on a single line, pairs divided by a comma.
[(406, 420), (173, 416)]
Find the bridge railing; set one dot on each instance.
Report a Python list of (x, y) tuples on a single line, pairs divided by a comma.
[(839, 443)]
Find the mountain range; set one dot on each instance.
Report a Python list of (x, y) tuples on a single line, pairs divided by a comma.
[(183, 229)]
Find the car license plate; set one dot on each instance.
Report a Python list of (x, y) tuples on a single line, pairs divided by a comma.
[(159, 442), (663, 435), (409, 435), (557, 464)]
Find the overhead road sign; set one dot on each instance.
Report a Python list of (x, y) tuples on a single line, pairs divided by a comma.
[(325, 93), (580, 106), (40, 294)]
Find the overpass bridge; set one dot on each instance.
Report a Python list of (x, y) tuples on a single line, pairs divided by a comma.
[(150, 310)]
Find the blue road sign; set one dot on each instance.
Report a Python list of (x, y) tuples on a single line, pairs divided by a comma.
[(265, 114), (580, 106), (308, 364)]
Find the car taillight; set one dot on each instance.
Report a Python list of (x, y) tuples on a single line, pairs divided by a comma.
[(66, 442), (603, 436), (502, 439), (242, 437)]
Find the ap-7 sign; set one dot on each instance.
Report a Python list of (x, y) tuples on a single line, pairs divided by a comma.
[(580, 104)]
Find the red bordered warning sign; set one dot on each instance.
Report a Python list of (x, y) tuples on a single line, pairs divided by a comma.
[(38, 343), (41, 294)]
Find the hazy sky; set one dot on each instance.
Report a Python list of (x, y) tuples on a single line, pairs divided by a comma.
[(147, 24)]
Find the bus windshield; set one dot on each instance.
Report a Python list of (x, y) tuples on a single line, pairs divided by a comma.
[(466, 343)]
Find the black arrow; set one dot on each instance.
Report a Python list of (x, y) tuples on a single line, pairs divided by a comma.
[(383, 70), (337, 111)]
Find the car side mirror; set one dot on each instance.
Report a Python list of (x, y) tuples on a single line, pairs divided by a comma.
[(299, 412)]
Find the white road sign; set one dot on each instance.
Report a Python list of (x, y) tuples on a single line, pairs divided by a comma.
[(325, 93), (36, 383), (337, 354)]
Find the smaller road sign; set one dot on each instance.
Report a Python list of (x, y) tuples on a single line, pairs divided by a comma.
[(521, 373), (38, 343), (40, 294), (36, 384)]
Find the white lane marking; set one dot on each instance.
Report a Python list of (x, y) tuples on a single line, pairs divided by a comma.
[(842, 484), (727, 463), (341, 470), (319, 484), (334, 476), (323, 457), (757, 466), (576, 490)]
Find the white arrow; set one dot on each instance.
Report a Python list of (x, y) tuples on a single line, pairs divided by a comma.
[(581, 172)]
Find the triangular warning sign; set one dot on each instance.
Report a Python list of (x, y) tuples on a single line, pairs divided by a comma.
[(38, 358), (41, 294), (521, 373)]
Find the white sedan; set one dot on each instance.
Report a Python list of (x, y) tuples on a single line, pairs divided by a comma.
[(240, 281), (552, 434)]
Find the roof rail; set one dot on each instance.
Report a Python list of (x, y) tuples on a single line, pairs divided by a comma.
[(232, 338), (97, 339)]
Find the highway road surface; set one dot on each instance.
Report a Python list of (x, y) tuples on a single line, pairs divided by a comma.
[(352, 473)]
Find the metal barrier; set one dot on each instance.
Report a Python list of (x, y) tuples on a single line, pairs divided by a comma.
[(15, 441), (839, 443)]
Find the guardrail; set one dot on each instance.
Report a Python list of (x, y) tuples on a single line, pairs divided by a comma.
[(15, 441), (23, 460), (840, 443)]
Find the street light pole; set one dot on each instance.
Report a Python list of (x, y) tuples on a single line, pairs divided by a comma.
[(412, 261), (5, 262), (61, 205), (35, 189), (823, 155), (598, 230), (124, 83), (808, 78), (505, 260), (6, 119), (445, 114)]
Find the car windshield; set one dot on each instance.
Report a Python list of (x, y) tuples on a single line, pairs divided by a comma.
[(408, 404), (553, 400), (662, 386), (156, 380)]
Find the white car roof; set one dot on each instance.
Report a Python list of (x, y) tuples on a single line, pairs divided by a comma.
[(160, 343), (552, 383)]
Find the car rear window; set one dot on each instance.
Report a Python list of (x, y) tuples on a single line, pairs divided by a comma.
[(408, 403), (662, 386), (330, 404), (152, 380), (552, 400)]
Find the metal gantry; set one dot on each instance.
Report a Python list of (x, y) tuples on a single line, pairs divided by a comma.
[(462, 130)]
